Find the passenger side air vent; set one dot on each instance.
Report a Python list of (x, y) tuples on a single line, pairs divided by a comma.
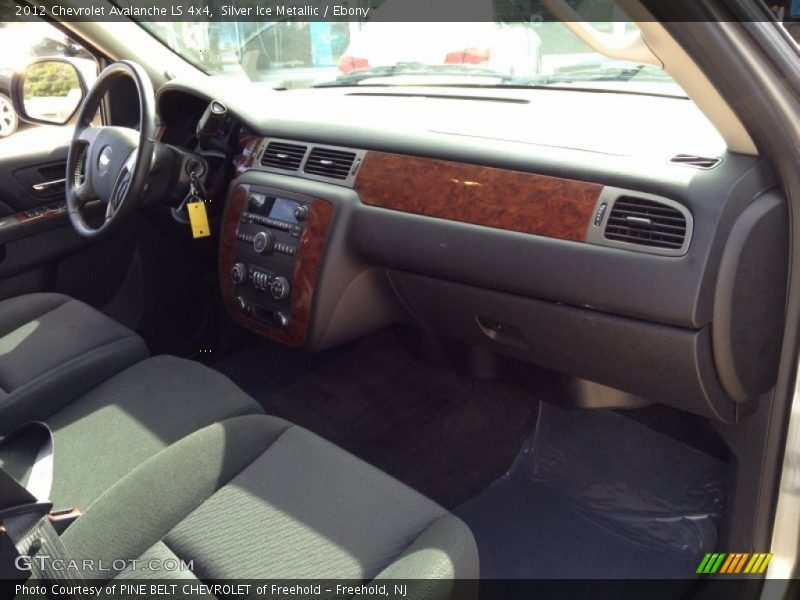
[(326, 162), (699, 162), (646, 223), (280, 155)]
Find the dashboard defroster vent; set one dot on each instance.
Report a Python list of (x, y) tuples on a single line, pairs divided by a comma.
[(327, 162), (699, 162), (646, 223), (279, 155)]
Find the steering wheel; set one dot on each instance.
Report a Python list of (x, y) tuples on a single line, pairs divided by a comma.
[(110, 164)]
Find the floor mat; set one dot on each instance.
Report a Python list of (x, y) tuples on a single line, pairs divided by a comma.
[(593, 494), (266, 367), (445, 435)]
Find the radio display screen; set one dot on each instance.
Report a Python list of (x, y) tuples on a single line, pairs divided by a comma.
[(280, 209), (283, 210)]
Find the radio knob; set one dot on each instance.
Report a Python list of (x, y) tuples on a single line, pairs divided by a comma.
[(301, 212), (263, 242), (279, 288), (241, 305), (239, 273)]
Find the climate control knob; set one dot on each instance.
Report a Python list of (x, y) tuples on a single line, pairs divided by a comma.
[(279, 288), (263, 242), (239, 273)]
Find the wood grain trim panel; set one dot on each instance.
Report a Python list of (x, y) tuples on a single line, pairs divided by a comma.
[(43, 212), (306, 269), (499, 198)]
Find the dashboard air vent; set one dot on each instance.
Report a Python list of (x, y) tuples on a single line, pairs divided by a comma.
[(279, 155), (329, 163), (647, 223), (700, 162)]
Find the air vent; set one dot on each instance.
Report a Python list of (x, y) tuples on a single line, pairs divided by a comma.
[(647, 223), (279, 155), (699, 162), (329, 163)]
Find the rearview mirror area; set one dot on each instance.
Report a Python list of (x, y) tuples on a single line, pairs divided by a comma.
[(48, 91)]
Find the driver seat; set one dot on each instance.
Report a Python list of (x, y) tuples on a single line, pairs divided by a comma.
[(53, 350)]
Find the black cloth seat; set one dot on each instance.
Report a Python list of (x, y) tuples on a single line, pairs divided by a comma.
[(126, 420), (53, 349), (256, 497), (105, 434), (110, 407)]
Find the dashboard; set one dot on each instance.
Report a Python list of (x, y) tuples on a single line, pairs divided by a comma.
[(633, 253)]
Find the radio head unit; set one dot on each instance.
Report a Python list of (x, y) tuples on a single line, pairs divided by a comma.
[(266, 250)]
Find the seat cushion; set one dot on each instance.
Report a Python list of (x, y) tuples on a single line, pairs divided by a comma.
[(117, 426), (53, 349), (256, 497)]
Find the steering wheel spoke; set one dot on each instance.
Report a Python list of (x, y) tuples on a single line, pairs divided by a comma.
[(89, 134), (111, 210), (121, 186), (83, 192)]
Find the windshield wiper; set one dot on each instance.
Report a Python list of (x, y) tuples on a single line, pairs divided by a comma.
[(603, 71), (404, 69)]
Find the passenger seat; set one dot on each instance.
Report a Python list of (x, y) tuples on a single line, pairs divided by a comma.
[(258, 498), (110, 407), (117, 426)]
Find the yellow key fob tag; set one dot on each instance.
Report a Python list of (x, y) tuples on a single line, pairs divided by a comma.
[(198, 218)]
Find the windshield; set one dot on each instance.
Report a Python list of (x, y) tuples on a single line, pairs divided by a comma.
[(525, 50)]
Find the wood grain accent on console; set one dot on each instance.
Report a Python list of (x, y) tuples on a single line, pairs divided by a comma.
[(306, 269), (499, 198)]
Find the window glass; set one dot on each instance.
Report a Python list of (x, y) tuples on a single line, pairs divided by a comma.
[(515, 43)]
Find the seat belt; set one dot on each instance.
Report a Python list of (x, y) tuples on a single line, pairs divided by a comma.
[(25, 510)]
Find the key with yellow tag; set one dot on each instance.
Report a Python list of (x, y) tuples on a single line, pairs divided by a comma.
[(198, 219)]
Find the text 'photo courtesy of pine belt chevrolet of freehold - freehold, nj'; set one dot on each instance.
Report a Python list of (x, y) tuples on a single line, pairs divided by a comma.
[(400, 299)]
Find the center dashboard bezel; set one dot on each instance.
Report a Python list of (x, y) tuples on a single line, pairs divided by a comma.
[(304, 274)]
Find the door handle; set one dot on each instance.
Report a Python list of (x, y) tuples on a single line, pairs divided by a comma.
[(46, 185)]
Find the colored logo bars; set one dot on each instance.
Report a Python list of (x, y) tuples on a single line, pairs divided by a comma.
[(734, 563)]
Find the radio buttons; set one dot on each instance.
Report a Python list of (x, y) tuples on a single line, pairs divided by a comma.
[(261, 280), (278, 224), (285, 248)]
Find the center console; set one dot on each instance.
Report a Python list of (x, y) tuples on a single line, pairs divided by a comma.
[(271, 246)]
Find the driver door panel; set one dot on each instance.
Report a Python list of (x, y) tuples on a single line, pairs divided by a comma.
[(35, 232)]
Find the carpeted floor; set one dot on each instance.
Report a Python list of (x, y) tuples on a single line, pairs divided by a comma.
[(445, 435)]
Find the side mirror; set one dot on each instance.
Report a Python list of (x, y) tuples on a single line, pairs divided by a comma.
[(49, 90)]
